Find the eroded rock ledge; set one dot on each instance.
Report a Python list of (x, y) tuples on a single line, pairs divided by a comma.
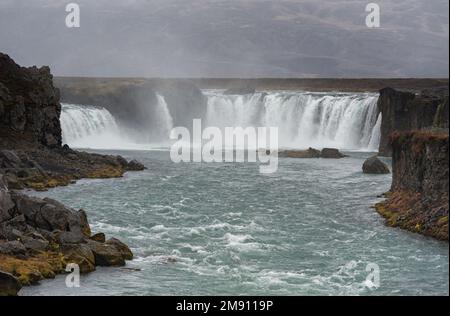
[(418, 200)]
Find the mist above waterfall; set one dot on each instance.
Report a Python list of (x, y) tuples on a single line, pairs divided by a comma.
[(344, 121)]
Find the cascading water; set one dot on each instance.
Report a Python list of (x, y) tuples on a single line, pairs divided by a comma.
[(89, 127), (344, 121), (304, 119), (95, 127)]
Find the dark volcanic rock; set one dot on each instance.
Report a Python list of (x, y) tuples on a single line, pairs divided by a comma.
[(29, 103), (309, 153), (374, 165), (123, 249), (327, 153), (12, 248), (106, 255), (6, 204), (99, 237), (419, 197), (9, 285), (406, 111), (331, 153), (38, 237)]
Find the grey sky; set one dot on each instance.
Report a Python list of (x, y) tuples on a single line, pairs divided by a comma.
[(230, 38)]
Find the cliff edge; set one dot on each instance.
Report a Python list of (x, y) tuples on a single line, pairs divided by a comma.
[(418, 199), (407, 111)]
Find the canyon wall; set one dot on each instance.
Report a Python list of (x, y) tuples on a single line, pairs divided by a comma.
[(406, 111), (418, 200)]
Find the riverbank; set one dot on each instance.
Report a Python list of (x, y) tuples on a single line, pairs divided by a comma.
[(40, 237), (418, 200)]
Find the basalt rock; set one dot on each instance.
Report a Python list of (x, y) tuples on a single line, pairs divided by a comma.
[(419, 196), (106, 254), (39, 237), (374, 165), (9, 285), (327, 153), (406, 111), (309, 153), (331, 153), (29, 103)]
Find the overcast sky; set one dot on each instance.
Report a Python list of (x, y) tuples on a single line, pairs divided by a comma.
[(229, 38)]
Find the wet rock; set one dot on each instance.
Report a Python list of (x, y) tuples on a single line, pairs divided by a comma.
[(135, 165), (121, 247), (309, 153), (106, 255), (81, 255), (374, 165), (331, 153), (9, 285), (99, 237)]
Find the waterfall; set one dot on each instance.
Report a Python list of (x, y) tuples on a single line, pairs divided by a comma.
[(93, 127), (345, 121)]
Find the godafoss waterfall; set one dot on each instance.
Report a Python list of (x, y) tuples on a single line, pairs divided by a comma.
[(225, 228), (346, 121)]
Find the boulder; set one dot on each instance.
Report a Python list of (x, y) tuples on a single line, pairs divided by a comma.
[(123, 249), (374, 165), (106, 255), (9, 285), (331, 153), (35, 244), (14, 228), (12, 248), (99, 237), (50, 215), (81, 255), (135, 165)]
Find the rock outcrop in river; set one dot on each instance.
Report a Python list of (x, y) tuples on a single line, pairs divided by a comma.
[(418, 200)]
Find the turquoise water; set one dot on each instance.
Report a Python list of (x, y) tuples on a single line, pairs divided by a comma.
[(226, 229)]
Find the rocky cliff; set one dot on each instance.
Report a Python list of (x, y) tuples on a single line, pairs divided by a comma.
[(38, 238), (406, 111), (29, 103), (418, 200), (31, 155)]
